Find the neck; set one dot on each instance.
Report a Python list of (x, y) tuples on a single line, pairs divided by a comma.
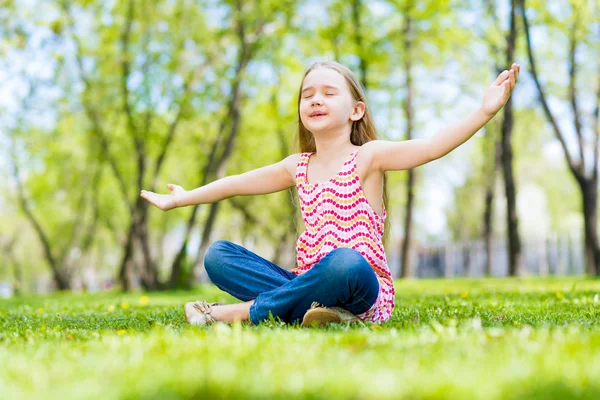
[(330, 146)]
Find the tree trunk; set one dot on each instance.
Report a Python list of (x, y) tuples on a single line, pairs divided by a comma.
[(204, 243), (589, 189), (150, 268), (514, 241), (487, 229), (406, 261), (358, 39), (125, 270), (18, 272), (515, 267), (467, 249), (488, 214)]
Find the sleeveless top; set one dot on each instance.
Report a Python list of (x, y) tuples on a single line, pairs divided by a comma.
[(336, 213)]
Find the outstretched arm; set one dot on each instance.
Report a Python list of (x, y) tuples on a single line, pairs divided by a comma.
[(269, 179), (393, 156)]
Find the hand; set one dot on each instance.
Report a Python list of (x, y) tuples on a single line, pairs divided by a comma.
[(498, 93), (165, 201)]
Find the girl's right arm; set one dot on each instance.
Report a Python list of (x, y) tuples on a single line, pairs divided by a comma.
[(269, 179)]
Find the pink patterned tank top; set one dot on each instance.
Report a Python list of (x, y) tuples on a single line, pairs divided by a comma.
[(336, 213)]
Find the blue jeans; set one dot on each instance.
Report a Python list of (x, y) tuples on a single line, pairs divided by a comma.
[(342, 278)]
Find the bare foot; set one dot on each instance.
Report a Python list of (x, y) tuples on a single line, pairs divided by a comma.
[(232, 312)]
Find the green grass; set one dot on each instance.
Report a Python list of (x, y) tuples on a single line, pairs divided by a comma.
[(454, 339)]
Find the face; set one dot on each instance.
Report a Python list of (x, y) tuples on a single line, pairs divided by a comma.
[(326, 103)]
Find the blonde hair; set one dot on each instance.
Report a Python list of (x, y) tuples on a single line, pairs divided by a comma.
[(363, 130)]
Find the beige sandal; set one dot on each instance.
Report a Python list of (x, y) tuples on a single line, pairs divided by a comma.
[(318, 314), (198, 312)]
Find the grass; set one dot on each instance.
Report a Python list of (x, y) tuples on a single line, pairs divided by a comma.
[(447, 339)]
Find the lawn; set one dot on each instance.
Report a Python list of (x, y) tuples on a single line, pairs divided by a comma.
[(447, 339)]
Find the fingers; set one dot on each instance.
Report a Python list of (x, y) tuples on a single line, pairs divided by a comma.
[(147, 196), (508, 78), (514, 72), (173, 187), (151, 197), (501, 78)]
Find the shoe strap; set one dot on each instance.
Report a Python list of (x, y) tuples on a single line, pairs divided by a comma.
[(317, 305), (202, 306), (205, 308)]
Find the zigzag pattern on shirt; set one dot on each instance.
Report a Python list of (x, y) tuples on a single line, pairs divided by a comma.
[(332, 196), (339, 200), (336, 214), (340, 217), (341, 179), (359, 221), (308, 250), (333, 239)]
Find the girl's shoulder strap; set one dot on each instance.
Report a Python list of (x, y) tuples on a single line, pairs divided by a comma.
[(301, 168), (350, 165)]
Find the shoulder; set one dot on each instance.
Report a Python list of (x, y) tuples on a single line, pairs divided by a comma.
[(367, 154), (291, 163)]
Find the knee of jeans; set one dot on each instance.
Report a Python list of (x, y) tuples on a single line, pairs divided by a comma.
[(349, 262), (214, 256)]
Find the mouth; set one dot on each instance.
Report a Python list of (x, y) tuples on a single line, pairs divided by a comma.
[(317, 114)]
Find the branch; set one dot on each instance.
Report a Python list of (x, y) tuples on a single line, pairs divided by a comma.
[(573, 166), (80, 211), (243, 208), (126, 70), (144, 68), (173, 126), (92, 115), (26, 209), (88, 236), (491, 11), (23, 200), (138, 142), (572, 89)]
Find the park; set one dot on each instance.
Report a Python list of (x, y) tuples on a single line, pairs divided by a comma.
[(259, 199)]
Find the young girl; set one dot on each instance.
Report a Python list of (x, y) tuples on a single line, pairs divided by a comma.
[(342, 273)]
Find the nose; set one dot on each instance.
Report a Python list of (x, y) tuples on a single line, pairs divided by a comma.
[(316, 100)]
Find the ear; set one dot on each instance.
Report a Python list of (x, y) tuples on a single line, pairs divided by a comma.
[(358, 112)]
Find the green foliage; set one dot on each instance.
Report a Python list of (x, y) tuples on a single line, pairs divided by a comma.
[(172, 43)]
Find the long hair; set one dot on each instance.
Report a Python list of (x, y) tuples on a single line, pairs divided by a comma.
[(363, 130)]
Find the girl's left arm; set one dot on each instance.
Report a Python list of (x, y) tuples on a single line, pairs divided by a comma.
[(393, 156)]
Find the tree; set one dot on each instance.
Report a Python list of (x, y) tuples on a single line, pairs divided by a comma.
[(583, 162), (250, 20)]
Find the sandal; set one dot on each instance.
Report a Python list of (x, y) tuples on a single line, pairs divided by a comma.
[(318, 314), (198, 312)]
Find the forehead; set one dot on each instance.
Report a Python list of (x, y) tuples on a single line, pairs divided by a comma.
[(324, 76)]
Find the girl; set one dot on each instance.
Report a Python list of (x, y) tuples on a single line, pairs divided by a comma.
[(342, 273)]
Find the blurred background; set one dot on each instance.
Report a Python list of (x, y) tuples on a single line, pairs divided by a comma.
[(101, 99)]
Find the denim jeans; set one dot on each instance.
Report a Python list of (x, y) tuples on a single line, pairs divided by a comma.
[(342, 278)]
